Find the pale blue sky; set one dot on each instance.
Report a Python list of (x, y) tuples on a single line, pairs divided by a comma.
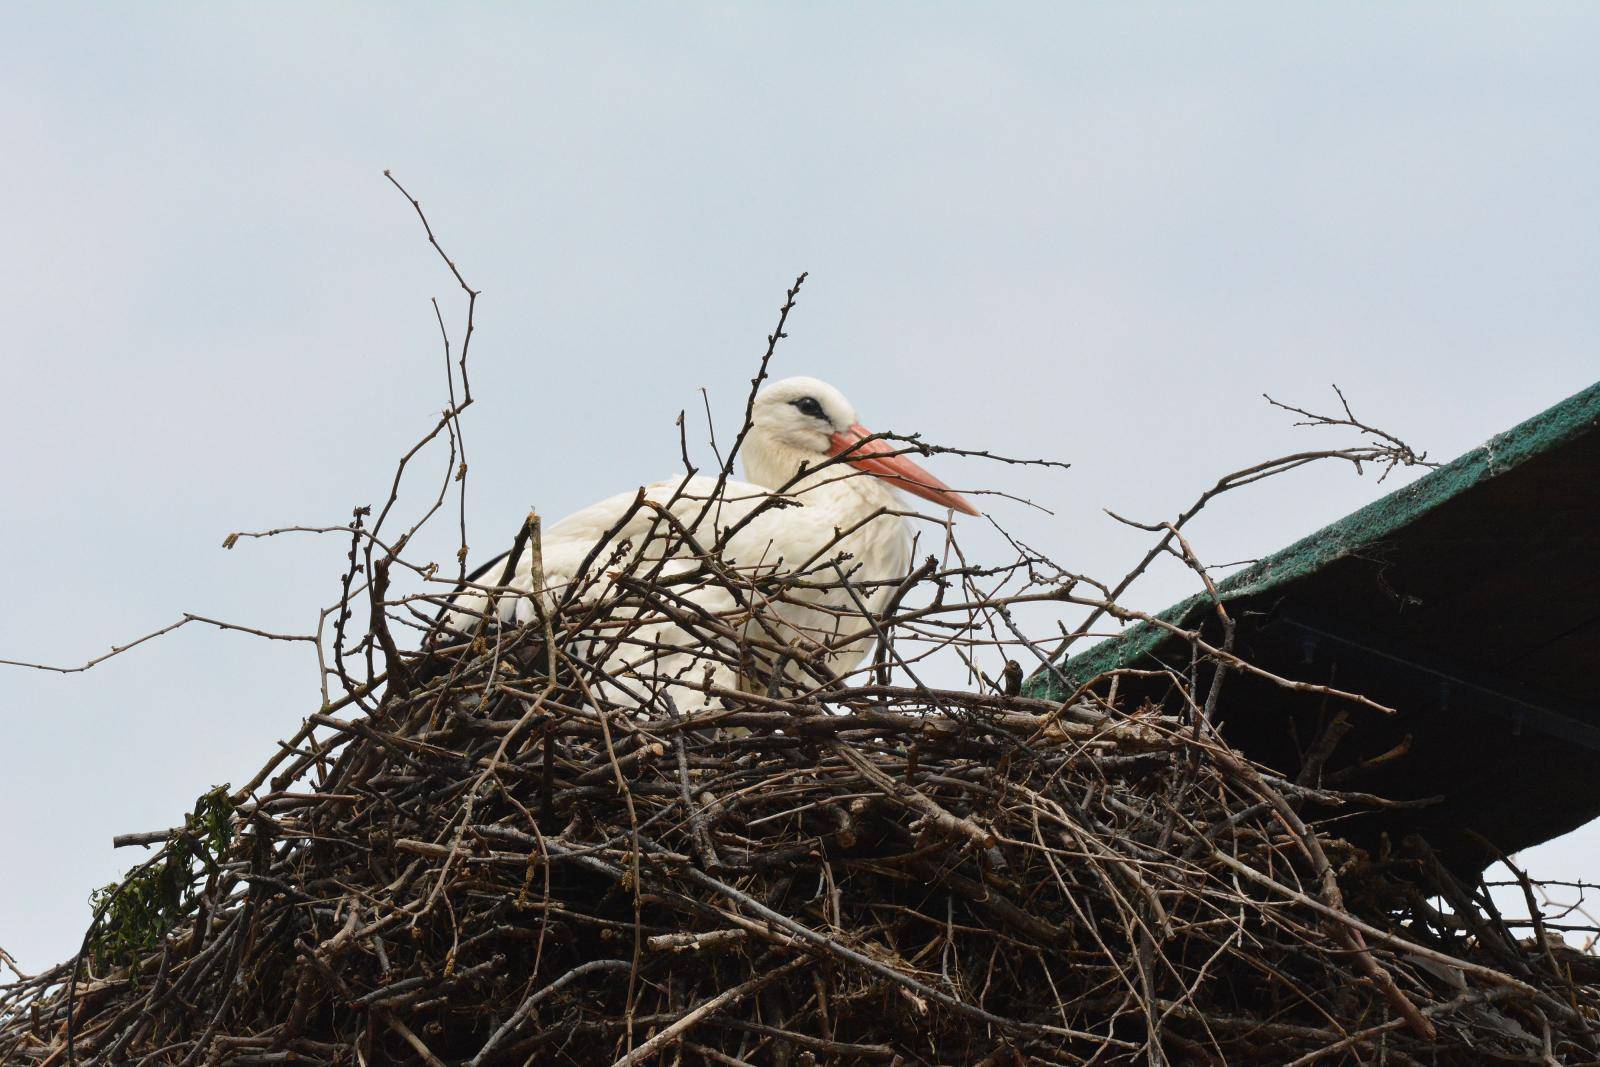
[(1097, 233)]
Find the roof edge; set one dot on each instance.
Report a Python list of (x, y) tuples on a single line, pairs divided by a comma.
[(1555, 426)]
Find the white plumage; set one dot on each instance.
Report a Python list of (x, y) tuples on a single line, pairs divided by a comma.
[(846, 509)]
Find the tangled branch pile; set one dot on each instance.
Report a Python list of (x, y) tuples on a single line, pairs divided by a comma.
[(490, 872), (482, 855)]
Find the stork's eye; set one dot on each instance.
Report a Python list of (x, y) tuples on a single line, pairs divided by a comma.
[(809, 406)]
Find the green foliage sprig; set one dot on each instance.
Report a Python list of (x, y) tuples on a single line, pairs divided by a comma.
[(132, 916)]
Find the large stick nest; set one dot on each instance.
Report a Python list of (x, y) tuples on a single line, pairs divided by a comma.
[(489, 871)]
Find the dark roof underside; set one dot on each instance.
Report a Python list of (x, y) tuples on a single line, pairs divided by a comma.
[(1469, 601)]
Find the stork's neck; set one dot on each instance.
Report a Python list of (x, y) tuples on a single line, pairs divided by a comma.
[(773, 464), (770, 463), (845, 511)]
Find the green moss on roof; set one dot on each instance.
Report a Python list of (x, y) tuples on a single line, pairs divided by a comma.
[(1572, 418)]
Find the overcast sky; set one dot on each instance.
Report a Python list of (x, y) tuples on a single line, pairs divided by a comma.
[(1097, 234)]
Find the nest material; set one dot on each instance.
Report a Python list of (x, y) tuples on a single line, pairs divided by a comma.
[(487, 871)]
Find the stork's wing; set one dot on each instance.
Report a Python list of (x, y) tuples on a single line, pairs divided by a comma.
[(583, 543)]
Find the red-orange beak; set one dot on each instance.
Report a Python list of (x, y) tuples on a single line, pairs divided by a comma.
[(879, 458)]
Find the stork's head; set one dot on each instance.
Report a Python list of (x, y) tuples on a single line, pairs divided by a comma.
[(803, 420)]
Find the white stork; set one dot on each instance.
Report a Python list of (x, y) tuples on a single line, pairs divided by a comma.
[(846, 508)]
